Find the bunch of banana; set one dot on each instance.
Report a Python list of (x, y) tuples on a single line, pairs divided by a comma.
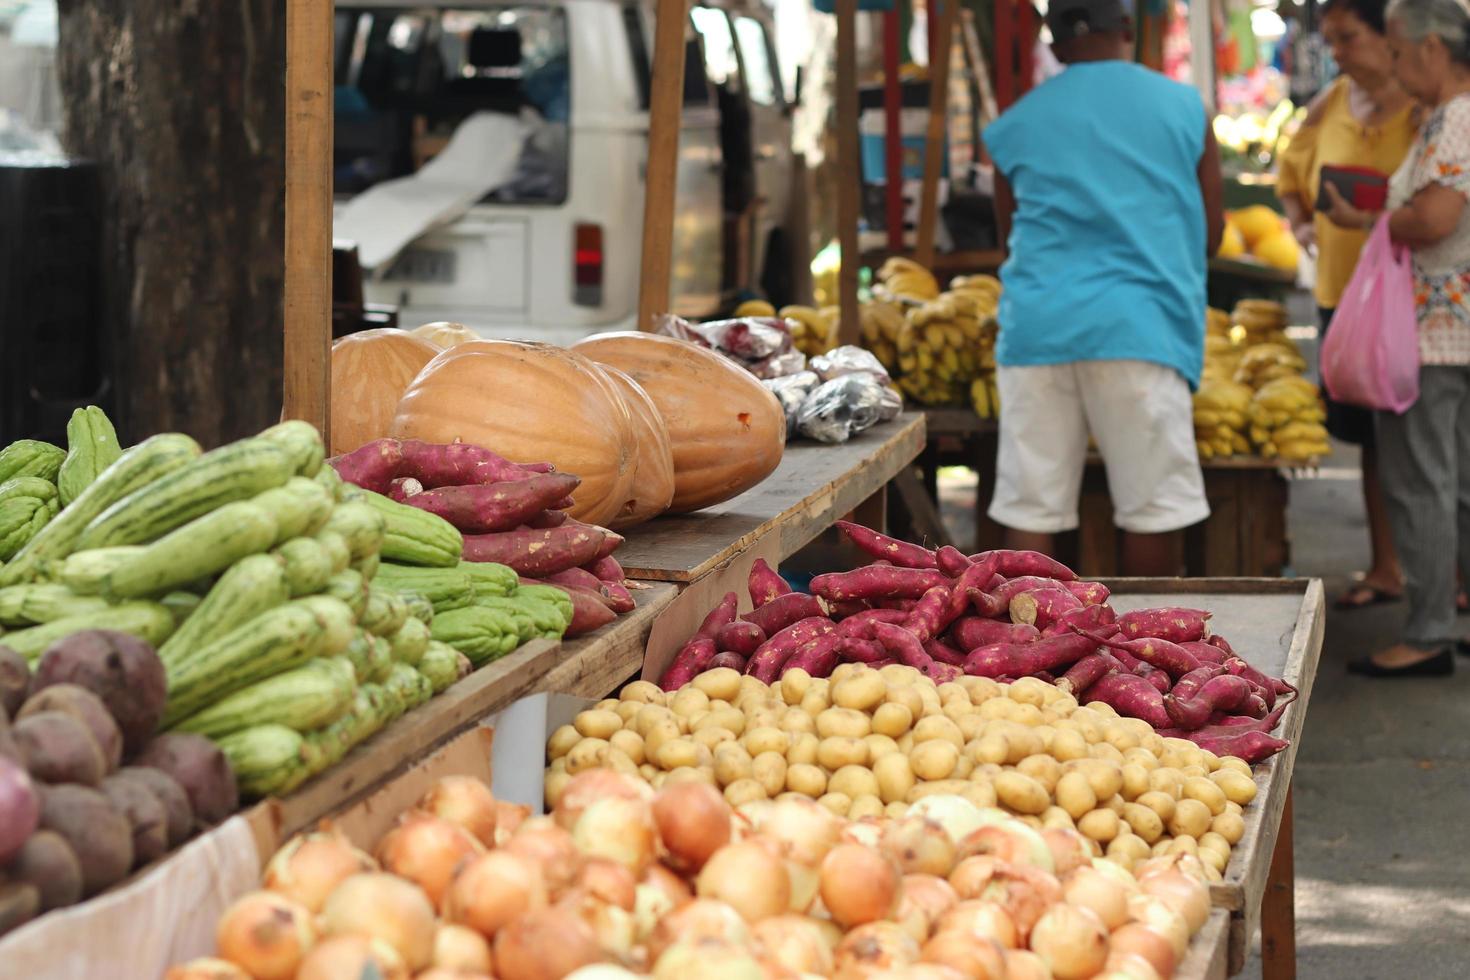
[(1257, 321), (880, 323), (1217, 323), (1286, 417), (1221, 418), (900, 278), (941, 350), (985, 290), (813, 331), (1260, 364), (1222, 358), (755, 307)]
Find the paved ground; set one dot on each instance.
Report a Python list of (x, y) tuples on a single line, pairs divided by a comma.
[(1383, 779)]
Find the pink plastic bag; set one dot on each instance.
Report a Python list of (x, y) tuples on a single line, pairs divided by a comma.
[(1371, 354)]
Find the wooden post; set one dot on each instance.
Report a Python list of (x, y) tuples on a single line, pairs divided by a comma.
[(665, 106), (307, 289), (849, 171), (892, 133), (1005, 62), (934, 143), (1278, 905)]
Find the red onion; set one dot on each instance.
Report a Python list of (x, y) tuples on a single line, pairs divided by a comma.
[(20, 810)]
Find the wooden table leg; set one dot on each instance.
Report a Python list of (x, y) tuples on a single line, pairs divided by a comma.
[(872, 512), (1278, 906)]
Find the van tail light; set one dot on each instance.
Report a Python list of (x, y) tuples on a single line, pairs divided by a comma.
[(587, 265)]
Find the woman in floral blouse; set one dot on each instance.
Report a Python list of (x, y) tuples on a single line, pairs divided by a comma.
[(1425, 453)]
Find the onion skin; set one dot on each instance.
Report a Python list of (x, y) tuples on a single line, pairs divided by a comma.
[(1189, 898), (1159, 916), (427, 850), (1024, 892), (673, 887), (266, 934), (546, 944), (749, 878), (919, 846), (350, 957), (1139, 940), (607, 881), (620, 829), (702, 920), (551, 849), (1069, 850), (1022, 964), (1072, 940), (1093, 890), (508, 818), (875, 946), (805, 829), (467, 802), (922, 900), (490, 892), (982, 918), (974, 956), (462, 949), (693, 821), (310, 866), (1010, 841), (859, 885), (586, 788), (795, 943), (708, 961), (206, 968), (1132, 965)]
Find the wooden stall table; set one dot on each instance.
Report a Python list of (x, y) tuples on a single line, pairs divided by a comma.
[(1207, 958), (1277, 625)]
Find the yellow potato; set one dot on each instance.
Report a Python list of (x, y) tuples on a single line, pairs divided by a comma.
[(1135, 780), (1230, 826), (647, 771), (1239, 765), (892, 719), (618, 761), (1067, 744), (963, 766), (744, 791), (558, 765), (1213, 859), (757, 686), (907, 696), (1213, 841), (980, 794), (764, 716), (994, 748), (1237, 787), (808, 780), (895, 776), (556, 784), (1047, 734), (972, 726), (837, 803), (730, 719), (1183, 845), (769, 769), (861, 691), (628, 710), (1104, 752), (1042, 768), (1056, 817), (1101, 825), (766, 739), (900, 674), (956, 711), (1143, 821), (1159, 802), (853, 781), (590, 753), (1142, 758), (803, 749), (689, 702), (712, 737), (1060, 702), (998, 709), (794, 685), (689, 774), (796, 721), (1029, 690), (938, 727), (1135, 847), (1212, 761), (1191, 818), (679, 752), (650, 715), (1192, 771), (879, 746), (980, 689), (645, 691), (657, 782), (896, 810), (905, 742), (1120, 737), (842, 670), (722, 682), (1105, 777), (1075, 795), (942, 787), (562, 741), (1204, 790), (865, 806), (732, 764), (1106, 710), (843, 722), (1023, 742), (842, 750), (1166, 780), (1021, 793), (934, 759), (815, 702), (1027, 714)]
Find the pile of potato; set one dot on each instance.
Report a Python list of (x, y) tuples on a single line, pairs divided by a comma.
[(870, 742)]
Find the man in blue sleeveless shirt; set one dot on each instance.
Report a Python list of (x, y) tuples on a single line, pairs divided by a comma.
[(1107, 191)]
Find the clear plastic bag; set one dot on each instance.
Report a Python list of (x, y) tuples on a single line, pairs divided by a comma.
[(781, 365), (791, 391), (841, 408), (848, 360)]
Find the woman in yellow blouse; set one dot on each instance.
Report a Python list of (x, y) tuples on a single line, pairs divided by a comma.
[(1364, 119)]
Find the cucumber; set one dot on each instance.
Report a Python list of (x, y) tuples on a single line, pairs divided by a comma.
[(302, 441), (361, 526), (416, 537), (410, 642), (148, 461), (205, 546), (265, 759), (43, 602), (335, 548), (86, 572), (276, 640), (313, 695), (250, 587), (299, 507), (234, 472), (147, 620), (307, 566)]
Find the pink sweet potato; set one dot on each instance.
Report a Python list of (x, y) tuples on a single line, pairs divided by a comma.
[(1187, 686), (1025, 659), (547, 519), (739, 637), (1131, 696), (860, 624), (860, 650), (1166, 656), (952, 561), (1086, 672), (372, 466), (1252, 747), (878, 582), (902, 605), (1091, 593), (784, 610), (729, 659), (487, 507), (689, 662), (1042, 607), (404, 487), (1014, 564), (456, 464), (607, 569), (617, 597), (900, 553), (1267, 686), (816, 657), (1224, 692), (941, 673), (766, 663), (1161, 681), (589, 611), (969, 592), (536, 553), (1174, 624), (1012, 587), (577, 578), (944, 653), (843, 608), (1096, 617), (1206, 653), (971, 632), (765, 584), (611, 540), (717, 617), (902, 644), (933, 614)]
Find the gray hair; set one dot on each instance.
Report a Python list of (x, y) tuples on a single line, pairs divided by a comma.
[(1448, 20)]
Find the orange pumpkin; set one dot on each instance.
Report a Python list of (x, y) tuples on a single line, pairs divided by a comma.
[(726, 430), (370, 371), (530, 403), (653, 479)]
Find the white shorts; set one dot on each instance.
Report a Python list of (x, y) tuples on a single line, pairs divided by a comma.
[(1141, 416)]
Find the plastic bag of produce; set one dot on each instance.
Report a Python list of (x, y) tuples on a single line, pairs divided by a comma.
[(845, 406), (781, 365), (1371, 354), (848, 359), (791, 391)]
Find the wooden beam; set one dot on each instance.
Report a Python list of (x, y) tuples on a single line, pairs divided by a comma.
[(849, 171), (934, 143), (665, 106), (307, 291), (892, 133)]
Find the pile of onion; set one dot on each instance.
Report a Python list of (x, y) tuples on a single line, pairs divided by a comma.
[(384, 907), (266, 934), (428, 851), (467, 802), (311, 865)]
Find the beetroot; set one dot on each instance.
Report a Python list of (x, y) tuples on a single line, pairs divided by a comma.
[(20, 810), (15, 680), (85, 707), (122, 670), (200, 768)]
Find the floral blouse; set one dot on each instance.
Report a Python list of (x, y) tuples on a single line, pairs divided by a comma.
[(1441, 155)]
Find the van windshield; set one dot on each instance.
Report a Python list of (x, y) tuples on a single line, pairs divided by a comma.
[(407, 77)]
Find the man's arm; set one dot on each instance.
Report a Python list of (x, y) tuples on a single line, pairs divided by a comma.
[(1005, 209), (1212, 191)]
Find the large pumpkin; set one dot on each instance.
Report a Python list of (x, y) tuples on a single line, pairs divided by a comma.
[(530, 403), (726, 430), (370, 372), (653, 479)]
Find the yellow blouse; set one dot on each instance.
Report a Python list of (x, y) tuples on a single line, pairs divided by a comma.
[(1336, 137)]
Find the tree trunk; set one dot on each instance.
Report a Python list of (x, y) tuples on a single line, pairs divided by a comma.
[(181, 102)]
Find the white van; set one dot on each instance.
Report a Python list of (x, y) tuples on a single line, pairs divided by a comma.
[(554, 252)]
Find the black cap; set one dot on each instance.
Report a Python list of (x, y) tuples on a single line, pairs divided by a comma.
[(1069, 19)]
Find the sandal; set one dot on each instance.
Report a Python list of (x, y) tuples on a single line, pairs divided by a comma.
[(1440, 664), (1361, 595)]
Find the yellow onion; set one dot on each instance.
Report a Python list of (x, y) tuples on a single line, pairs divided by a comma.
[(1159, 915), (467, 802), (351, 958), (1073, 942), (919, 846), (707, 960), (700, 920), (492, 890), (608, 881), (982, 919), (1022, 964), (601, 971), (919, 971), (386, 908), (859, 885), (508, 818), (749, 878), (206, 968), (868, 832), (1186, 864), (1138, 940), (619, 829), (1069, 850), (587, 788), (806, 884), (972, 876), (613, 927), (674, 888), (1117, 874), (972, 955), (793, 942), (1090, 889), (266, 934), (957, 815), (461, 948), (1010, 841), (875, 946), (546, 944), (806, 829), (427, 850), (551, 849), (1131, 966), (1024, 892), (922, 900), (1188, 897), (309, 866), (693, 822)]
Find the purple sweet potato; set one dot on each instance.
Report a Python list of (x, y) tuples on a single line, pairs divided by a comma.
[(1094, 617), (878, 582), (766, 663), (952, 561), (719, 616), (765, 584), (903, 645), (900, 553), (1025, 659), (1086, 672), (729, 659), (902, 605), (488, 507), (860, 649), (932, 616), (1015, 564), (200, 768), (373, 466), (740, 637), (1161, 681), (691, 660), (1091, 593), (782, 611), (1166, 656), (15, 680), (122, 670), (971, 632), (611, 540), (1223, 692), (1177, 625), (404, 487), (607, 569), (1131, 696), (537, 553), (1042, 607), (1252, 747), (1268, 686), (944, 653), (816, 657), (456, 464)]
